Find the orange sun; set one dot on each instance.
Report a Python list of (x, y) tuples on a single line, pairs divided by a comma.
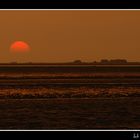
[(20, 47)]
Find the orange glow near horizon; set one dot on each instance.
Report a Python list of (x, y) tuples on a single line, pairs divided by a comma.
[(19, 47), (65, 36)]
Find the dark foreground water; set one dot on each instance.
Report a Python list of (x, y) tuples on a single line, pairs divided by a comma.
[(69, 97), (99, 113)]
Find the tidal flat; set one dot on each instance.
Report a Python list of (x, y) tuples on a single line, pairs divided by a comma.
[(69, 97)]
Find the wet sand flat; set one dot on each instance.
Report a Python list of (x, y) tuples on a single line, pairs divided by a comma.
[(69, 97)]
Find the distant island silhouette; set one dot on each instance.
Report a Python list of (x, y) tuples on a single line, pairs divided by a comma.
[(78, 62)]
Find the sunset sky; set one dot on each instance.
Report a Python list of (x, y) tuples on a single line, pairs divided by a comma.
[(64, 36)]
